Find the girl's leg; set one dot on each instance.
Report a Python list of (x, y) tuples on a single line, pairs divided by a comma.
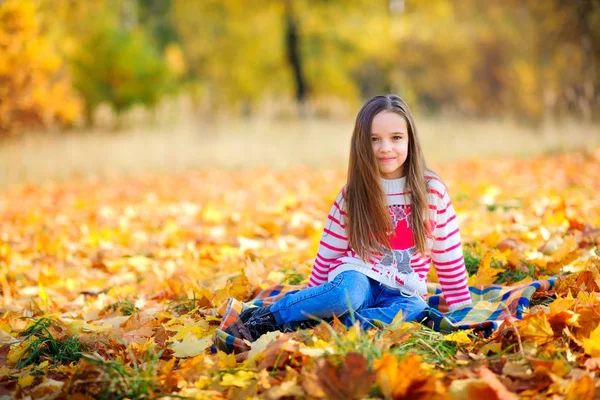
[(389, 304), (349, 290)]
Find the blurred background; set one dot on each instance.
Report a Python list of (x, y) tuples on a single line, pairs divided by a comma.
[(130, 86)]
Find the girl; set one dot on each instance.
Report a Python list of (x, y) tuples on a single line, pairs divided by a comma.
[(387, 225)]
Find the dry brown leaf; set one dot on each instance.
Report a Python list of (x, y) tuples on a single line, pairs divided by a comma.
[(351, 380), (499, 389), (404, 379), (279, 352)]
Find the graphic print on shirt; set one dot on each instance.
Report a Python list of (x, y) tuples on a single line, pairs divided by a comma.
[(401, 240)]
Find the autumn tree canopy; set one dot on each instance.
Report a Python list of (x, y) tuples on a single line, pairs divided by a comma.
[(526, 59)]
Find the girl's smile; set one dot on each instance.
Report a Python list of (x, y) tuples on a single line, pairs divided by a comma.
[(389, 138)]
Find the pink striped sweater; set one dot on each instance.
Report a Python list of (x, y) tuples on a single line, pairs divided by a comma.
[(404, 267)]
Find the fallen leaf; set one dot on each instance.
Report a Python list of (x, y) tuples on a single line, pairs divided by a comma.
[(26, 380), (288, 388), (398, 379), (536, 327), (240, 379), (459, 337), (517, 369), (591, 345), (592, 364), (279, 352), (259, 346), (353, 380), (190, 346), (6, 338), (49, 389), (486, 274), (582, 389)]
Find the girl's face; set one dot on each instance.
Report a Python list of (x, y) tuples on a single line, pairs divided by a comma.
[(389, 137)]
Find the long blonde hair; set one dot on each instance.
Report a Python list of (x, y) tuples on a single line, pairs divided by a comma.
[(369, 221)]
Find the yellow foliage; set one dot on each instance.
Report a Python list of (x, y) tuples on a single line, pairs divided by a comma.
[(35, 90), (591, 345), (536, 328), (459, 337), (486, 274), (26, 380), (240, 379), (175, 59), (162, 264), (397, 379), (190, 346)]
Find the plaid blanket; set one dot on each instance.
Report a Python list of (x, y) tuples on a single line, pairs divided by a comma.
[(491, 306)]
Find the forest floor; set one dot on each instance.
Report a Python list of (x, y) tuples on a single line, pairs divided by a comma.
[(113, 287)]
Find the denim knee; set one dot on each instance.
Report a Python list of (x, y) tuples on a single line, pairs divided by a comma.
[(353, 288)]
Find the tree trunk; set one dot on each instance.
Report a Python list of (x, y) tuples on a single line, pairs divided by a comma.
[(587, 96), (292, 42)]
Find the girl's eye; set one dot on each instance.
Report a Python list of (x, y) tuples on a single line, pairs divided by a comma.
[(374, 139), (397, 137)]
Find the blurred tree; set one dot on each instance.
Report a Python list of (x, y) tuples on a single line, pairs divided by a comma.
[(235, 49), (245, 52), (35, 90), (295, 59), (529, 58), (123, 70), (114, 60), (350, 58), (154, 16)]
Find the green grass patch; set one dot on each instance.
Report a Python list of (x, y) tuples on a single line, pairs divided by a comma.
[(183, 306), (428, 344), (119, 381), (472, 258), (43, 345), (509, 276), (292, 277), (125, 307)]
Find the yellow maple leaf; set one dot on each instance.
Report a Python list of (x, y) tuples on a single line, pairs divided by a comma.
[(226, 361), (459, 337), (26, 380), (568, 245), (239, 379), (486, 274), (190, 346), (259, 346), (17, 350), (185, 325), (254, 272), (591, 345), (536, 328), (562, 304)]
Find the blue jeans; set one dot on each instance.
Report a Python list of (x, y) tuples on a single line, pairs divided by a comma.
[(350, 290)]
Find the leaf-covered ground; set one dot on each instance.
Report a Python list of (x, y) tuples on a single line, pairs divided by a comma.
[(111, 289)]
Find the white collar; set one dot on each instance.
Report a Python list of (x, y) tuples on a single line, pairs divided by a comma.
[(393, 185)]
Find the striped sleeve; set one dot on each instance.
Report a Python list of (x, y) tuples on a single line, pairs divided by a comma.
[(447, 254), (334, 242)]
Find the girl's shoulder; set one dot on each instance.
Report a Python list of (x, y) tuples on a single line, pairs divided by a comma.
[(435, 185), (340, 199)]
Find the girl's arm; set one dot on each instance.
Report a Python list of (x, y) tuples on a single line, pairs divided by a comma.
[(447, 254), (333, 244)]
